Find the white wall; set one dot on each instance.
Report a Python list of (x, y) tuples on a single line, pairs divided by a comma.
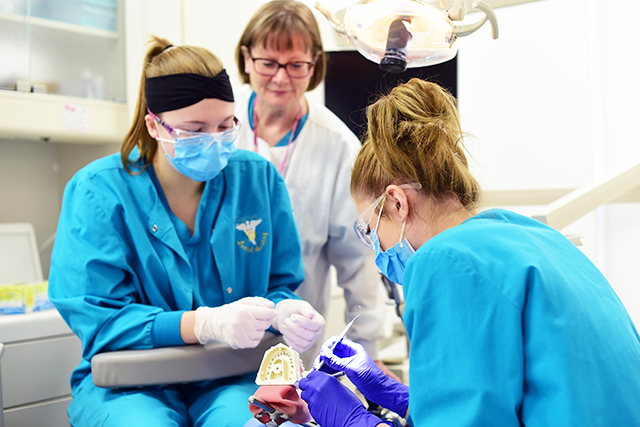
[(32, 178), (551, 104)]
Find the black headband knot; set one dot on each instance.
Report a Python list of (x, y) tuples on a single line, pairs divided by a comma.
[(176, 91)]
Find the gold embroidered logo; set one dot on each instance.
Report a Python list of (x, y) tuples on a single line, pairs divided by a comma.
[(249, 227)]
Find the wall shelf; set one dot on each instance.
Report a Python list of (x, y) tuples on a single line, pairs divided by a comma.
[(47, 118)]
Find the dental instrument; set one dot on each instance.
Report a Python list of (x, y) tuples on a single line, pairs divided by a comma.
[(340, 338)]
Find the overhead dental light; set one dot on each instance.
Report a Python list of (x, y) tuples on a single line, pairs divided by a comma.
[(401, 34)]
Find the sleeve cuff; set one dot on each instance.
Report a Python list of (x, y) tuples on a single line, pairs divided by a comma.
[(166, 329)]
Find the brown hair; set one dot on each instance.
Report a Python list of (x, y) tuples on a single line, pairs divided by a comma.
[(274, 25), (162, 59), (414, 135)]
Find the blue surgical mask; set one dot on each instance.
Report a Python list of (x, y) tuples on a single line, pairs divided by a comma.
[(393, 261), (202, 157)]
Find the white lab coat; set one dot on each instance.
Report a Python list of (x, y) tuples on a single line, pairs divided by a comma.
[(317, 174)]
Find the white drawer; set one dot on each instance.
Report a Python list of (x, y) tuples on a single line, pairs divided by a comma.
[(32, 326), (38, 370), (44, 414)]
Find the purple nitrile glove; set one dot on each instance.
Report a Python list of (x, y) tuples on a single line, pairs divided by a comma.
[(333, 405), (365, 374)]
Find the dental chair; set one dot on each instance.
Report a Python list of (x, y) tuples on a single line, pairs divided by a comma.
[(177, 365)]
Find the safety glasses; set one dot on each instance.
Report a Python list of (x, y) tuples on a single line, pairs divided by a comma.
[(181, 135), (362, 227)]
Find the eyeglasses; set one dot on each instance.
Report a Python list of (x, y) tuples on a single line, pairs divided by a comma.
[(269, 67), (362, 228), (180, 134)]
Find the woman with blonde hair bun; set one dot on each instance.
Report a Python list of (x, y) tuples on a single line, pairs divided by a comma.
[(509, 323)]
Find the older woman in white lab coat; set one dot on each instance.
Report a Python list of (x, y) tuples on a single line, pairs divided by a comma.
[(280, 55)]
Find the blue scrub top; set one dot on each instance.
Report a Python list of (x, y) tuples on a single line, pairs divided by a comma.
[(124, 268), (510, 325)]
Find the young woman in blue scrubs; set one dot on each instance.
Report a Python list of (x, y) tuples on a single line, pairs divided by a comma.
[(509, 323), (177, 240)]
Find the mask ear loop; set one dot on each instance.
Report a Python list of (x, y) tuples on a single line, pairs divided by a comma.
[(380, 214), (402, 233), (404, 223), (159, 138), (161, 141)]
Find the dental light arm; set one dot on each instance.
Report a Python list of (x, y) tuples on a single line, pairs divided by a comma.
[(465, 30), (337, 25), (458, 10), (583, 200)]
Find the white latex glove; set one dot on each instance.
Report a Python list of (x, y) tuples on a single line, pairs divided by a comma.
[(240, 324), (299, 323)]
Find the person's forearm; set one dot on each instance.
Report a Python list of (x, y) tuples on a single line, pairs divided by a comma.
[(187, 321)]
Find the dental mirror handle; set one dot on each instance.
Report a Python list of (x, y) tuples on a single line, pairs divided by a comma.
[(339, 340)]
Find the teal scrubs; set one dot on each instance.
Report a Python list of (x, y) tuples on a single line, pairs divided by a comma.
[(511, 325), (124, 269)]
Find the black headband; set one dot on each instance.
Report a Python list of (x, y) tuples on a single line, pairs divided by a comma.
[(175, 91)]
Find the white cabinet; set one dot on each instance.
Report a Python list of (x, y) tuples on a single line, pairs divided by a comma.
[(40, 351), (62, 74)]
